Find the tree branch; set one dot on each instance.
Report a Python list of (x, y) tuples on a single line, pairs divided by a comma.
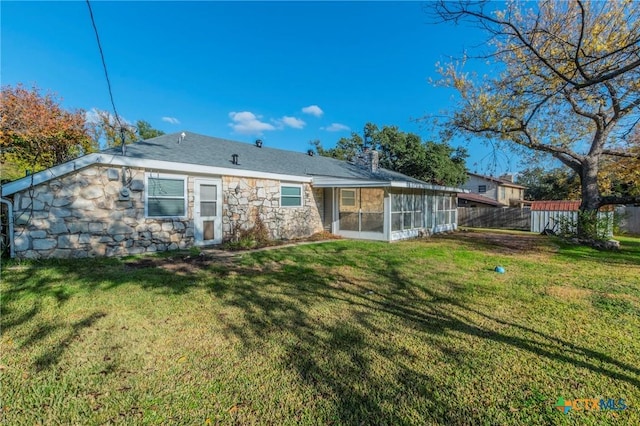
[(576, 58), (616, 153), (612, 199)]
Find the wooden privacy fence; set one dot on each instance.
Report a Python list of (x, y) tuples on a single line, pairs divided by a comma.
[(491, 217)]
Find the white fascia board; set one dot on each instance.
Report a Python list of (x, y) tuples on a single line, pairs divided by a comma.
[(117, 160), (348, 183), (49, 174), (432, 187)]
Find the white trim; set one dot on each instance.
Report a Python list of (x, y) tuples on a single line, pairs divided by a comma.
[(155, 175), (355, 235), (156, 165), (335, 182), (429, 186), (292, 185), (49, 174), (197, 218), (324, 182), (342, 197)]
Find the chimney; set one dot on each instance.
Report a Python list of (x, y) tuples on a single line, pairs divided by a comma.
[(508, 178), (373, 161), (367, 159)]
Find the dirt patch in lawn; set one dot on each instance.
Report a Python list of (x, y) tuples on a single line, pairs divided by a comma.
[(187, 263)]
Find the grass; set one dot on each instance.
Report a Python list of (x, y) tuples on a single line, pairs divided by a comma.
[(346, 332)]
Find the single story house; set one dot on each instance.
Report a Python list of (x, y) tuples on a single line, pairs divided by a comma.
[(181, 190)]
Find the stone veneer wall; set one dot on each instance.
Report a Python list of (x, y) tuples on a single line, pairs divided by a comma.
[(84, 214), (262, 197)]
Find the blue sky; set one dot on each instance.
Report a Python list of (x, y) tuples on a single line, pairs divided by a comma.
[(284, 72)]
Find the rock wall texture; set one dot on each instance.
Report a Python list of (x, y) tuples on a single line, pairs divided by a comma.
[(245, 199), (86, 214)]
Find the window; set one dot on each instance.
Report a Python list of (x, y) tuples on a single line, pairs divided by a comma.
[(348, 197), (446, 209), (482, 189), (291, 196), (503, 193), (165, 196), (407, 211)]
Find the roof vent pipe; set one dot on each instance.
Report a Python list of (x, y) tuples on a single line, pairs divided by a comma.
[(259, 143), (234, 159)]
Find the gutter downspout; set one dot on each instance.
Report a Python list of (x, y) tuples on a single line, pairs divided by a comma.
[(9, 204)]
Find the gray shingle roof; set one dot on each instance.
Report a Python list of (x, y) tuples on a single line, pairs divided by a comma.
[(216, 152)]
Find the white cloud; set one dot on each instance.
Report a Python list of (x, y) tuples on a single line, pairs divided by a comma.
[(95, 116), (171, 120), (294, 122), (314, 110), (247, 123), (336, 127)]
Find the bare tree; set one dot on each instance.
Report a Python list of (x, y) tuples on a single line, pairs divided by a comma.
[(567, 83)]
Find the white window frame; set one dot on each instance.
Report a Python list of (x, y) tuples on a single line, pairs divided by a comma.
[(151, 175), (342, 197), (292, 185)]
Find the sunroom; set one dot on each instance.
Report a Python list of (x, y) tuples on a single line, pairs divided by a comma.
[(387, 211)]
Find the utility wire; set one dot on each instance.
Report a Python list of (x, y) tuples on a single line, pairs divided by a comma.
[(106, 74)]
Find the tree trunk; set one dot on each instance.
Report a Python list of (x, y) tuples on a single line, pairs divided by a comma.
[(588, 214)]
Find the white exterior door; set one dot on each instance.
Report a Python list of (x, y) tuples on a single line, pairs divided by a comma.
[(208, 211)]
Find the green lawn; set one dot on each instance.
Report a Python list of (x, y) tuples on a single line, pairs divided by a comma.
[(345, 332)]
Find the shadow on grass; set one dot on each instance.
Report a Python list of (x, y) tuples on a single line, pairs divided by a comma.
[(52, 355), (279, 294), (337, 358), (629, 252)]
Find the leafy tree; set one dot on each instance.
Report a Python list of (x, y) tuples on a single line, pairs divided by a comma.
[(620, 176), (145, 131), (346, 148), (405, 153), (36, 132), (566, 83), (107, 130), (557, 184)]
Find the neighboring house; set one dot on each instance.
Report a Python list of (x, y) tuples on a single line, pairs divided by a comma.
[(178, 191), (476, 200), (501, 190)]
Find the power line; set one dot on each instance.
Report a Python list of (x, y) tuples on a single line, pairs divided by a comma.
[(106, 74)]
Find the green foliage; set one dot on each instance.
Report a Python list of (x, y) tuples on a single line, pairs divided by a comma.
[(145, 131), (556, 184), (592, 226), (404, 153), (108, 131), (37, 133)]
